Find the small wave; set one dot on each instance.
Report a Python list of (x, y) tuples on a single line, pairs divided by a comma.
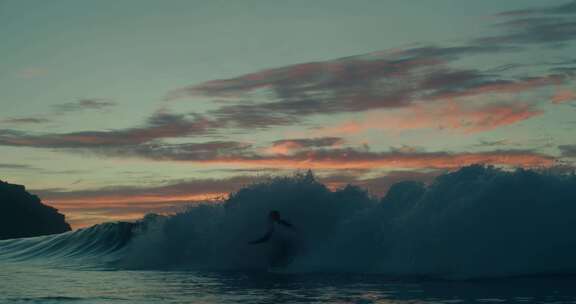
[(83, 245)]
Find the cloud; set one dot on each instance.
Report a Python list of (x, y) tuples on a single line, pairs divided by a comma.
[(499, 86), (180, 190), (376, 81), (311, 79), (563, 95), (335, 158), (344, 74), (252, 117), (61, 109), (380, 184), (567, 8), (16, 166), (358, 83), (389, 80), (470, 117), (568, 150), (198, 152), (348, 158), (92, 206), (492, 143), (82, 105), (87, 215), (540, 30), (288, 145), (25, 120), (544, 25), (160, 125), (176, 191), (37, 170), (144, 143)]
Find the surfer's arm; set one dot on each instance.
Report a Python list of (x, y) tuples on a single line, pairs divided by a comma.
[(265, 238), (286, 224)]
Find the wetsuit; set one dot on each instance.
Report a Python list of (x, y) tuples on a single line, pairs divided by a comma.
[(281, 237)]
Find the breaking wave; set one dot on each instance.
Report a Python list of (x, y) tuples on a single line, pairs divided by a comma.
[(475, 222)]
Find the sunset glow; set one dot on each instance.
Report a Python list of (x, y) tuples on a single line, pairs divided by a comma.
[(109, 115)]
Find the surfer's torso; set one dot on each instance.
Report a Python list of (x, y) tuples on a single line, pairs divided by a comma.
[(283, 243)]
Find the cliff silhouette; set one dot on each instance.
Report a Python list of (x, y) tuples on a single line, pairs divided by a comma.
[(24, 215)]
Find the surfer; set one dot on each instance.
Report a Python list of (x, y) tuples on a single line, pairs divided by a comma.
[(281, 236)]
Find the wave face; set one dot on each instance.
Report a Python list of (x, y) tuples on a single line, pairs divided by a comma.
[(98, 245), (475, 222)]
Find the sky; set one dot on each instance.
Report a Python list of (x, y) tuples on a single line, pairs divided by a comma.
[(113, 109)]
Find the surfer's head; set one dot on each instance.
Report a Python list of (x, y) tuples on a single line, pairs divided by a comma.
[(274, 215)]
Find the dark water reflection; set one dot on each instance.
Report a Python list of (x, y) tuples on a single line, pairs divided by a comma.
[(26, 284), (341, 288)]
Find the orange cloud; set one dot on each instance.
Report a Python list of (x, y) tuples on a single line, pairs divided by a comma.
[(563, 95), (128, 202), (351, 159), (105, 199), (85, 211), (465, 117), (287, 146), (283, 148)]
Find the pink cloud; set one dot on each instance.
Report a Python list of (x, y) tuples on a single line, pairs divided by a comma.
[(563, 95), (468, 118)]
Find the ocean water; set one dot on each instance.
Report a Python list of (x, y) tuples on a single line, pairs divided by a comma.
[(477, 235), (106, 264), (47, 284)]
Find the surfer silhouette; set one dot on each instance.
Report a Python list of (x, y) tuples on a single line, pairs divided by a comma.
[(281, 237), (274, 219)]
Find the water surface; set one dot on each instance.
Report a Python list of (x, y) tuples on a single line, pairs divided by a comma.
[(29, 283)]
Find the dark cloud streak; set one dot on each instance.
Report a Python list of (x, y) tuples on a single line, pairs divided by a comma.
[(159, 126), (568, 150), (311, 142), (83, 104), (544, 25), (179, 188), (567, 8), (16, 167), (25, 120)]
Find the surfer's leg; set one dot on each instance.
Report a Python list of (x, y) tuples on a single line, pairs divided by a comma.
[(283, 254)]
